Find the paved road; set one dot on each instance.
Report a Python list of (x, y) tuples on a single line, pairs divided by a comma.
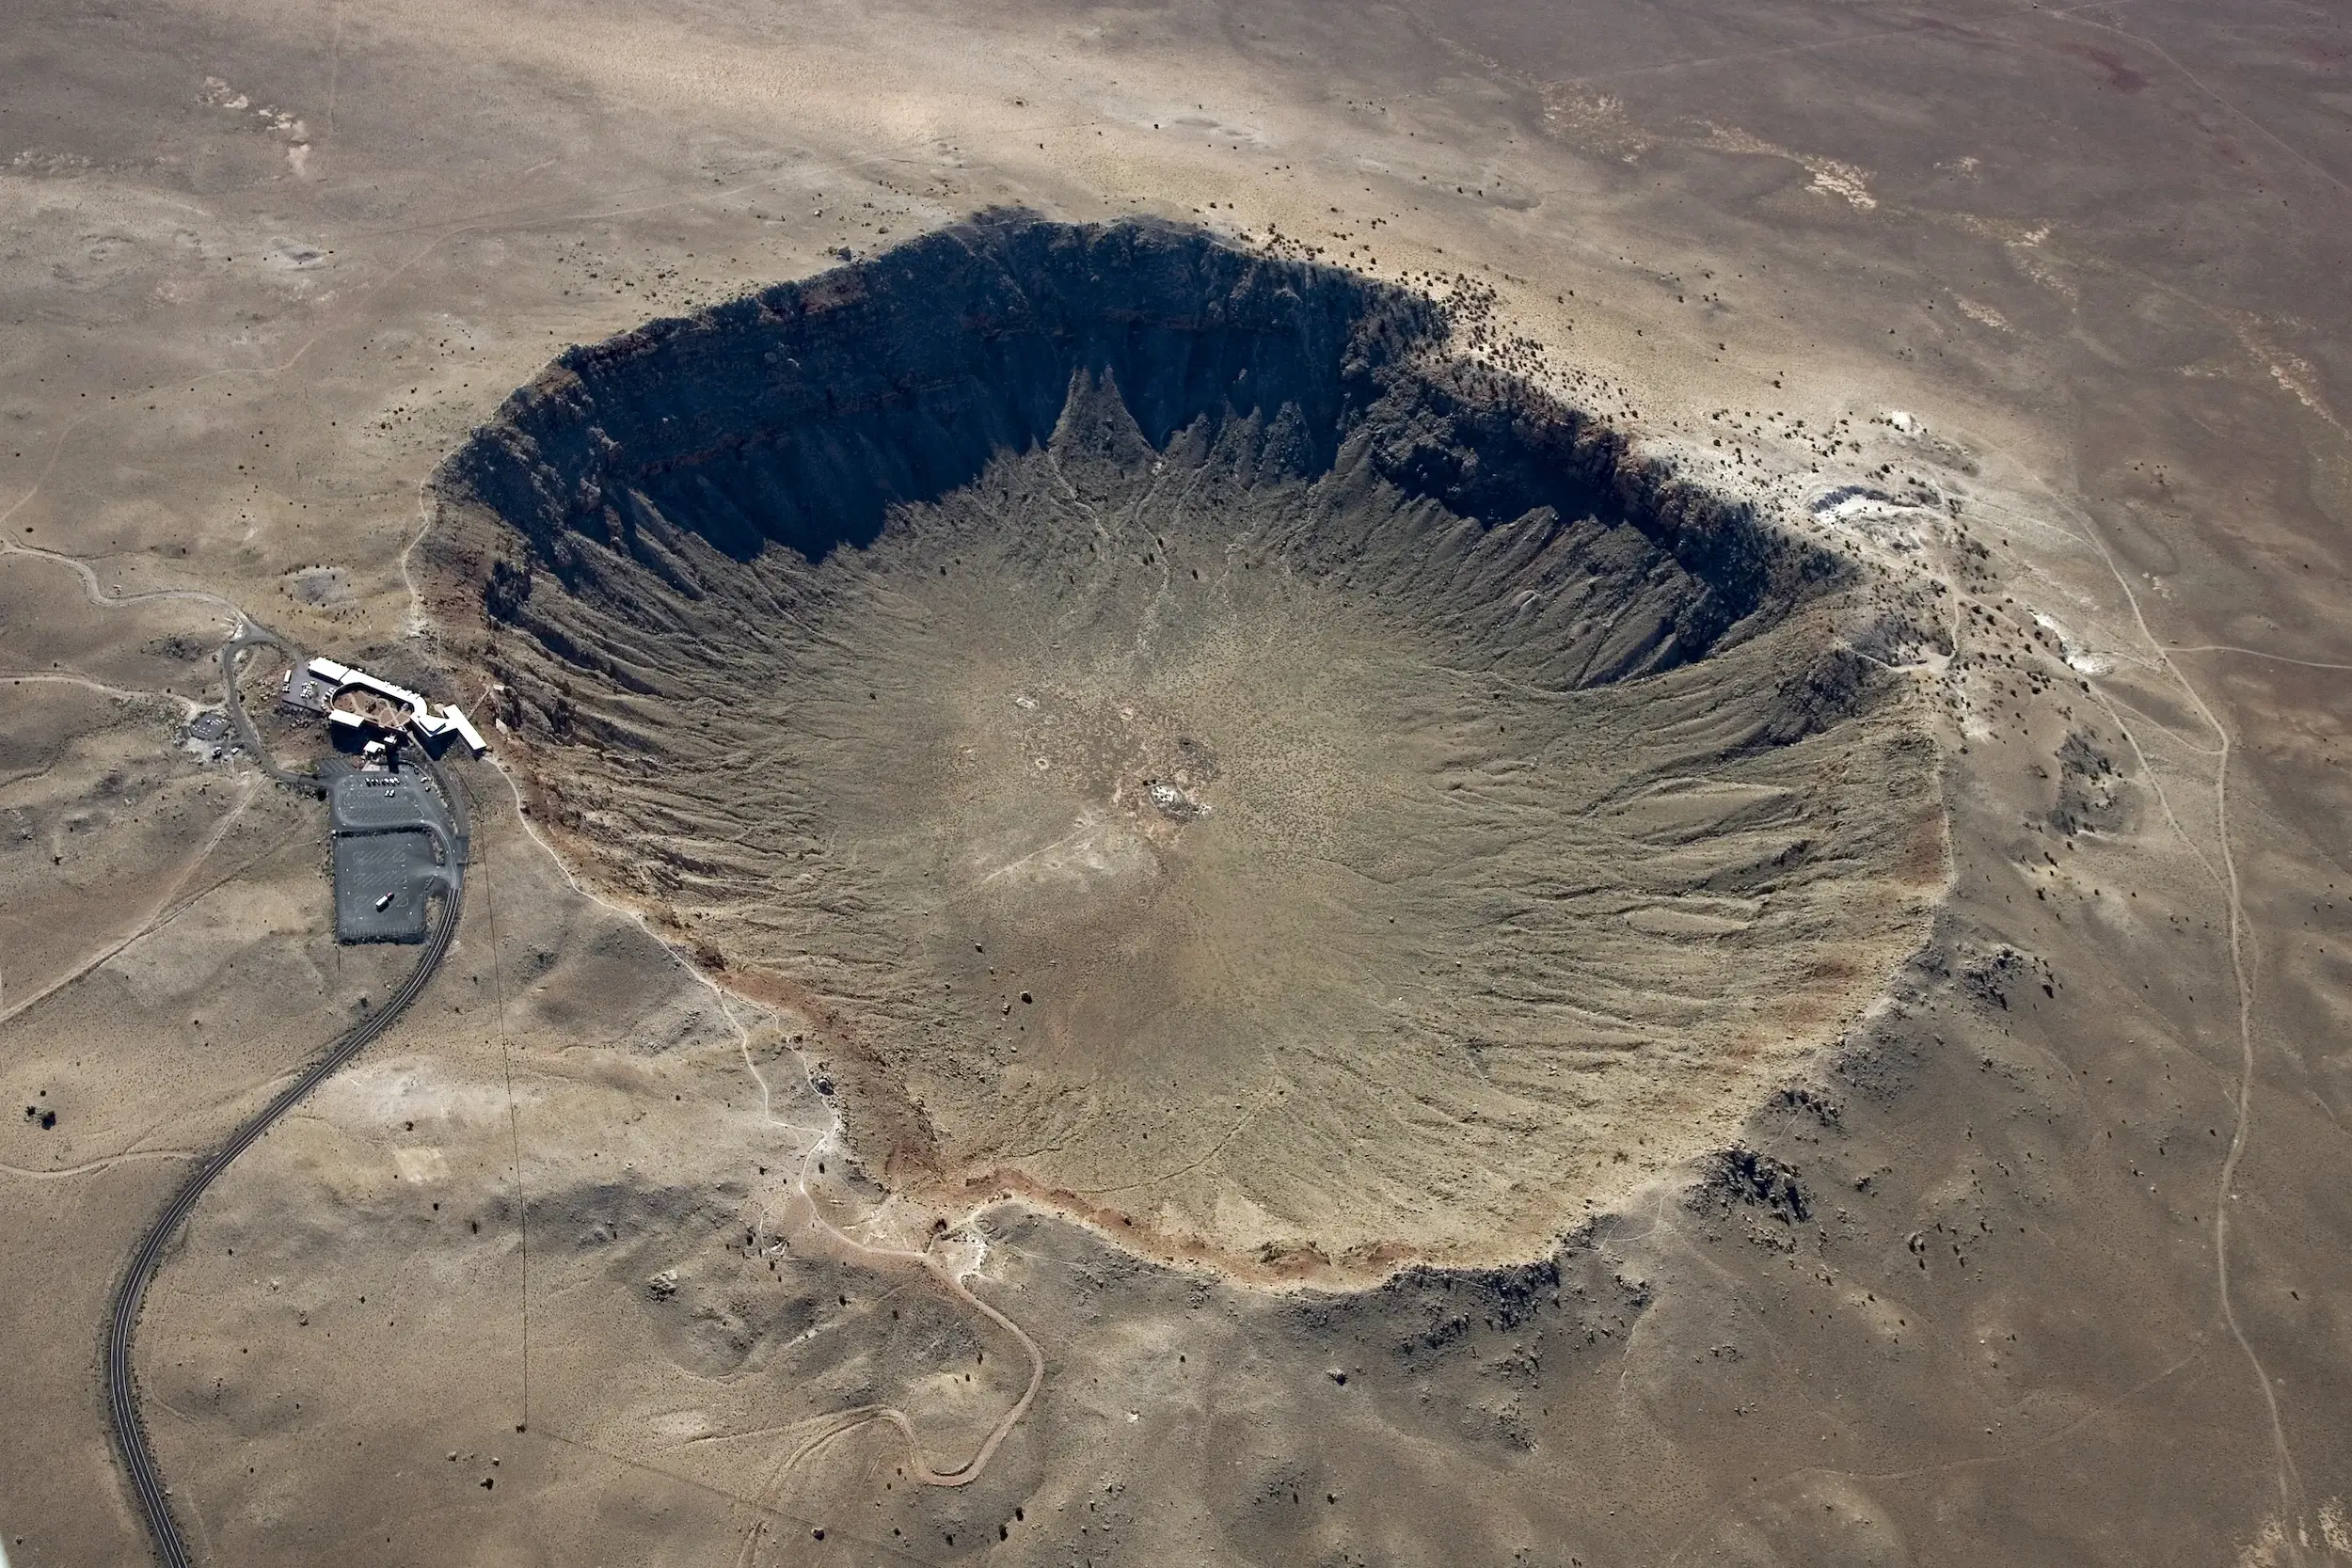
[(251, 636), (123, 1408)]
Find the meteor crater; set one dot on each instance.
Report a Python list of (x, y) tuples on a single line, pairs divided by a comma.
[(1199, 752)]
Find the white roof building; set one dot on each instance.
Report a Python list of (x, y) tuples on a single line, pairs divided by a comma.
[(428, 724)]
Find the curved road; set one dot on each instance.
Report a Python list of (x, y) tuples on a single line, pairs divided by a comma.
[(122, 1410), (842, 1422), (250, 636)]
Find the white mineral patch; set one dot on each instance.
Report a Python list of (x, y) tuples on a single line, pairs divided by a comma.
[(2080, 660)]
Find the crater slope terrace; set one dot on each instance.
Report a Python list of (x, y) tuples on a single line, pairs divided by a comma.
[(1194, 752)]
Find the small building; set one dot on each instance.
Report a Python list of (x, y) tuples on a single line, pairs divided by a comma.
[(303, 696)]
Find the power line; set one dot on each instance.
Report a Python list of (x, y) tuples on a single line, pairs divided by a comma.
[(514, 1130)]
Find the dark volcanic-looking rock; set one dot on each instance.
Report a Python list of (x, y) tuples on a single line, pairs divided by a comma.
[(1194, 752)]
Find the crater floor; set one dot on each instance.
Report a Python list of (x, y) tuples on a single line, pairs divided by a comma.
[(1195, 754)]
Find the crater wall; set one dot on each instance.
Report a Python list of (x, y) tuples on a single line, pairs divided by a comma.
[(800, 416)]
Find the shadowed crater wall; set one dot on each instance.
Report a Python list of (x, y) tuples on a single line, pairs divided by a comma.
[(1196, 752)]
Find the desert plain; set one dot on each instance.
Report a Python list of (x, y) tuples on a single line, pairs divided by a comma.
[(1428, 785)]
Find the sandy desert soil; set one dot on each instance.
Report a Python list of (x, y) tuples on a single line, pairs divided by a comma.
[(2031, 314)]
